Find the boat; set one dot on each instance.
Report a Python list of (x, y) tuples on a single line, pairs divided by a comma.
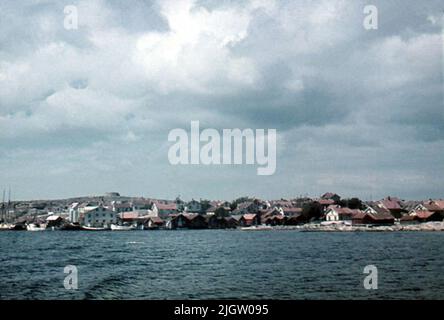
[(115, 227), (19, 227), (256, 228), (86, 228), (6, 226), (36, 227), (71, 227)]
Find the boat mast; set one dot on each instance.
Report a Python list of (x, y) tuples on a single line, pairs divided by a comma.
[(9, 204), (3, 206)]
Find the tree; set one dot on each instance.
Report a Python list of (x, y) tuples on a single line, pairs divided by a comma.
[(353, 203), (312, 210), (205, 205), (221, 212)]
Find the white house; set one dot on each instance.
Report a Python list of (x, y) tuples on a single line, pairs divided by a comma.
[(74, 212), (336, 213), (163, 209), (99, 217)]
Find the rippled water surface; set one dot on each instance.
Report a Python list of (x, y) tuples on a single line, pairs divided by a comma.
[(208, 264)]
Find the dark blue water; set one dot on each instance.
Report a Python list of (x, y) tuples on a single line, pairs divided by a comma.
[(210, 264)]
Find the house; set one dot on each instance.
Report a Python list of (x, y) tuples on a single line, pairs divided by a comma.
[(248, 207), (393, 205), (408, 219), (179, 221), (154, 223), (141, 204), (424, 215), (291, 211), (131, 217), (337, 213), (374, 208), (295, 220), (265, 214), (197, 221), (190, 221), (215, 222), (73, 212), (432, 206), (381, 218), (87, 206), (249, 219), (325, 203), (121, 206), (194, 206), (216, 205), (331, 196), (231, 222), (98, 216), (277, 220), (409, 205), (164, 209), (54, 221), (211, 210)]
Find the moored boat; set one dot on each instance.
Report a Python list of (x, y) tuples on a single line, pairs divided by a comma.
[(256, 228), (71, 227), (115, 227), (36, 227), (6, 226), (86, 228)]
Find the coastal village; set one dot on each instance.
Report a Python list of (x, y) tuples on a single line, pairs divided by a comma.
[(329, 212)]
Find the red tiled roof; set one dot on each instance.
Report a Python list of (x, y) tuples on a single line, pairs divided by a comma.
[(408, 218), (359, 215), (439, 204), (391, 204), (129, 215), (156, 219), (382, 216), (423, 214), (249, 216), (325, 201), (328, 195), (166, 206)]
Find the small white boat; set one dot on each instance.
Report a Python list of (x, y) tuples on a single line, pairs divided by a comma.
[(256, 228), (115, 227), (35, 227), (6, 226), (94, 228)]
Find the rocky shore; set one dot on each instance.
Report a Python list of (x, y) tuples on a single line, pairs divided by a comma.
[(316, 227)]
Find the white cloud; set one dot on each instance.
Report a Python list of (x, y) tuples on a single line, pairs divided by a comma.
[(195, 54)]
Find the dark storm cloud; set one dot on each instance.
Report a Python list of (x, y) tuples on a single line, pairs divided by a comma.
[(349, 104)]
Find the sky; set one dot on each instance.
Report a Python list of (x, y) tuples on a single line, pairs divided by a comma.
[(87, 111)]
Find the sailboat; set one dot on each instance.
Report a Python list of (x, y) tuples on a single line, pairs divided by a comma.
[(4, 226)]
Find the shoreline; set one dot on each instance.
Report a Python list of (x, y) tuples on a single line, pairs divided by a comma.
[(427, 226)]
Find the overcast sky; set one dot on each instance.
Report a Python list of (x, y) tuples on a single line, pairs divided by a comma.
[(359, 112)]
